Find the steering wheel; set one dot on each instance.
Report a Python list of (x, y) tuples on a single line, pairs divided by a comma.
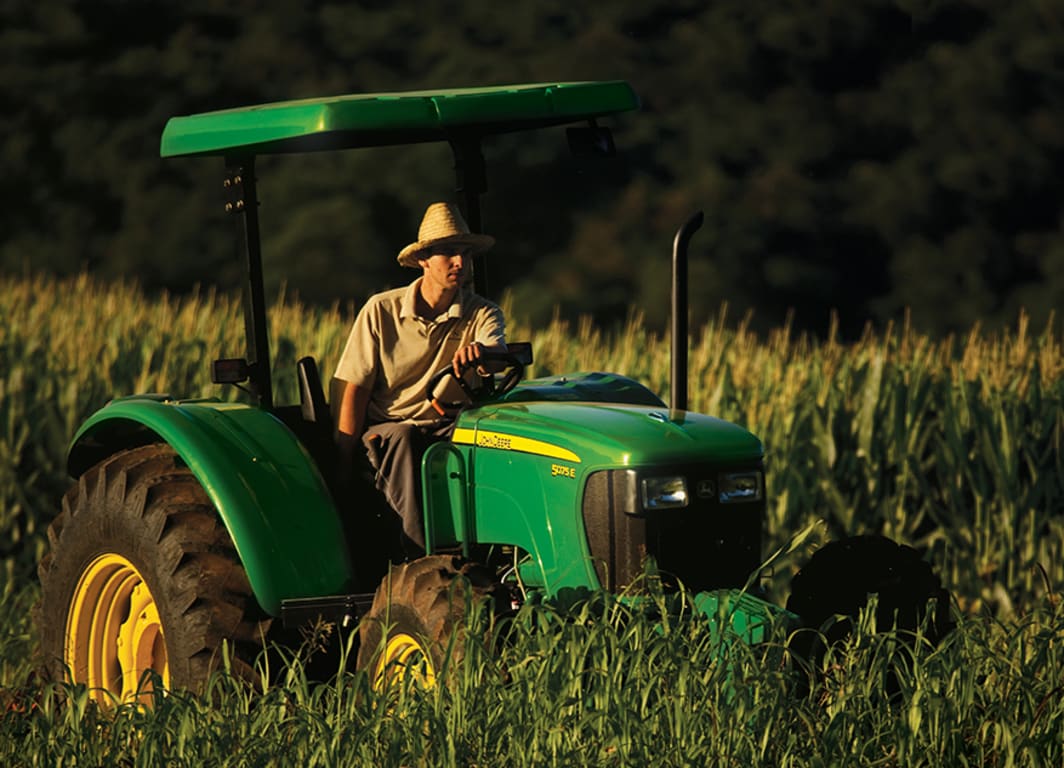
[(490, 386)]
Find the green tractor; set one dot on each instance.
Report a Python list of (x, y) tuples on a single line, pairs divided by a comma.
[(198, 523)]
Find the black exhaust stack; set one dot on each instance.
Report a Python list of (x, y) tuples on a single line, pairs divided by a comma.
[(678, 382)]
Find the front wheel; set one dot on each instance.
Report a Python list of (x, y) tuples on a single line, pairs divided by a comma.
[(417, 620), (142, 582)]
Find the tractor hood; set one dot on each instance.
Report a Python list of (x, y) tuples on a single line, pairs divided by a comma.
[(607, 434)]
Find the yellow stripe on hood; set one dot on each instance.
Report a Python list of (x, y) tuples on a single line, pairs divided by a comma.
[(504, 442)]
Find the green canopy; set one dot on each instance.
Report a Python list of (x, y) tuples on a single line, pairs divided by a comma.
[(375, 119)]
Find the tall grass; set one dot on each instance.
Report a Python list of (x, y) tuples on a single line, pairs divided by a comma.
[(597, 688)]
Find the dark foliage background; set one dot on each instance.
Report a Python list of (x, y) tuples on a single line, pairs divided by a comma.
[(861, 155)]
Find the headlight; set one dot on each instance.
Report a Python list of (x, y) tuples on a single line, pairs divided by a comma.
[(741, 486), (664, 492)]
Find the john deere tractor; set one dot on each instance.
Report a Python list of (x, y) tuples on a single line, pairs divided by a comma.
[(195, 523)]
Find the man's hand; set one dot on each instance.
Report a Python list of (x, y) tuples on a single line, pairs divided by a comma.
[(466, 356)]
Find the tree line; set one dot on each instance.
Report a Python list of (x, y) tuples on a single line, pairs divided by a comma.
[(865, 157)]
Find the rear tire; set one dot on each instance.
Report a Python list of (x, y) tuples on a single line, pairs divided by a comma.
[(414, 617), (143, 576)]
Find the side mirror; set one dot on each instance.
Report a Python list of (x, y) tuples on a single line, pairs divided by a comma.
[(521, 351), (229, 371)]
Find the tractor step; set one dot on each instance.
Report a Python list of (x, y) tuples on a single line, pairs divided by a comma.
[(343, 610)]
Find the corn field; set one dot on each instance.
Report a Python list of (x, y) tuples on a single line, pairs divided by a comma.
[(952, 445)]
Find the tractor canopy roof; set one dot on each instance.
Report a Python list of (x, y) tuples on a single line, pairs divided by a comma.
[(377, 119)]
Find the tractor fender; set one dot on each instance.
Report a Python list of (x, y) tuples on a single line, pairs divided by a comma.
[(265, 486)]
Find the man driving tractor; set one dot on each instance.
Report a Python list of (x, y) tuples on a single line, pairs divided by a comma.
[(400, 339)]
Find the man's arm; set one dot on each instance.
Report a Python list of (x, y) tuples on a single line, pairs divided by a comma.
[(352, 419)]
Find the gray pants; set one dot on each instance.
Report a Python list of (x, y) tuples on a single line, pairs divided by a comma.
[(394, 449)]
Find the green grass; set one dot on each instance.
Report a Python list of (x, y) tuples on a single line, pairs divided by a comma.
[(952, 445)]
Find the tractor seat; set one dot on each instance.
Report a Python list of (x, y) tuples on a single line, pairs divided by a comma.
[(311, 421), (311, 394)]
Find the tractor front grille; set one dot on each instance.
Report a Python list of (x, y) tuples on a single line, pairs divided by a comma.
[(705, 545)]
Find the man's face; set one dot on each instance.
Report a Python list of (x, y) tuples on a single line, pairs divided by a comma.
[(447, 266)]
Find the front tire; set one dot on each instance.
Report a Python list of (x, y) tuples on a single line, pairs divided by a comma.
[(142, 577), (416, 611)]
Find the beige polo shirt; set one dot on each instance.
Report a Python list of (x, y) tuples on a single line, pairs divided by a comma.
[(393, 352)]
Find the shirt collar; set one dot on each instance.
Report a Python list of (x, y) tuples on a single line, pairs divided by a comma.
[(409, 305)]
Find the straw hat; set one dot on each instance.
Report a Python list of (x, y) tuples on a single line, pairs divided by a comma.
[(442, 225)]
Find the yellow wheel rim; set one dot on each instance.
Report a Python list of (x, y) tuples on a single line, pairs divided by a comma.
[(404, 657), (114, 634)]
